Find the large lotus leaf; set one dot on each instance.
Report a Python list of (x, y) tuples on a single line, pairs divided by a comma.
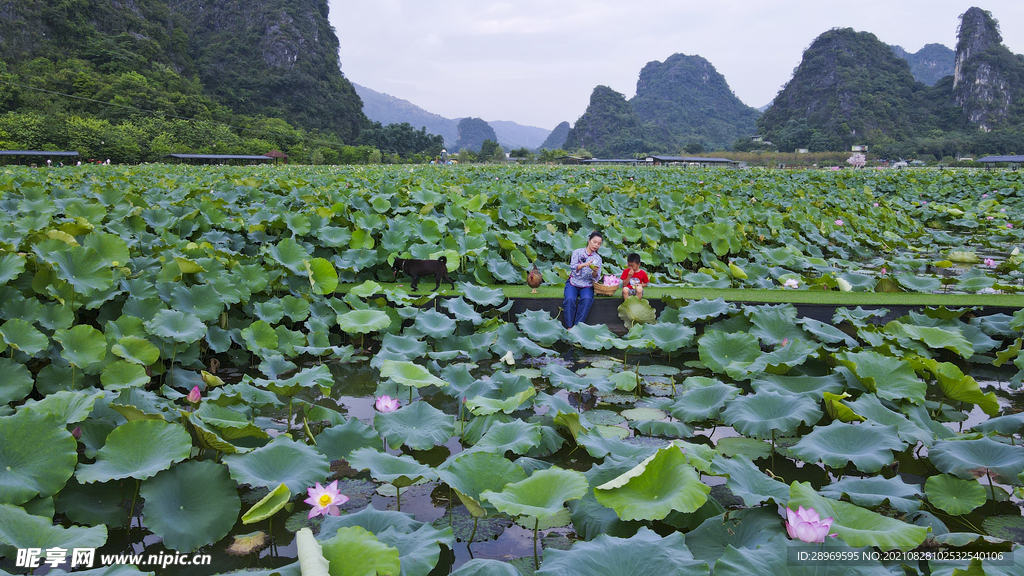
[(470, 473), (229, 423), (596, 337), (37, 456), (855, 525), (773, 324), (363, 321), (21, 335), (483, 406), (193, 504), (199, 299), (83, 268), (376, 521), (724, 352), (408, 347), (419, 426), (953, 495), (517, 436), (434, 324), (774, 558), (355, 551), (485, 567), (15, 381), (19, 529), (268, 505), (957, 386), (463, 311), (420, 550), (541, 496), (870, 407), (69, 406), (94, 504), (645, 554), (932, 337), (1006, 425), (704, 310), (703, 403), (409, 374), (136, 350), (137, 449), (483, 296), (669, 336), (283, 461), (813, 386), (917, 283), (890, 378), (11, 265), (341, 440), (748, 528), (826, 333), (176, 326), (323, 278), (636, 311), (400, 471), (663, 483), (974, 458), (766, 412), (872, 491), (867, 446), (83, 345), (541, 327), (779, 360), (748, 482), (319, 376), (290, 254)]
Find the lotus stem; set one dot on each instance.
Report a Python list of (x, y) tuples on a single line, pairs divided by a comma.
[(131, 511), (472, 535), (309, 433), (289, 413), (991, 487), (536, 560), (398, 497)]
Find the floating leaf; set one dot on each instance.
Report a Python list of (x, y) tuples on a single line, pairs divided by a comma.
[(419, 426), (283, 461), (471, 473), (37, 456), (409, 374), (766, 413), (890, 378), (867, 446), (20, 530), (541, 496), (193, 504), (137, 449), (644, 553), (873, 491), (970, 459), (355, 551), (953, 495), (661, 484)]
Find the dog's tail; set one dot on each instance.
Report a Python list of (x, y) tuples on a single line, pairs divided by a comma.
[(442, 259)]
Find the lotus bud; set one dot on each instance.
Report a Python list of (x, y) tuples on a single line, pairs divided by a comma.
[(77, 432), (194, 396), (508, 358)]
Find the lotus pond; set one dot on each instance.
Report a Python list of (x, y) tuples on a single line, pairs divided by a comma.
[(186, 353)]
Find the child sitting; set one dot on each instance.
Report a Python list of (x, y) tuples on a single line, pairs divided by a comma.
[(633, 278)]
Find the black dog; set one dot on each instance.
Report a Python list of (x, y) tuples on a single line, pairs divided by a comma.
[(417, 268)]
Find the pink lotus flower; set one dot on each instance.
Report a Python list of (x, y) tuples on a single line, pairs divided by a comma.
[(792, 283), (806, 526), (1002, 209), (990, 263), (875, 204), (1008, 225), (883, 271), (325, 499), (839, 222), (194, 396), (386, 404), (989, 217), (984, 195)]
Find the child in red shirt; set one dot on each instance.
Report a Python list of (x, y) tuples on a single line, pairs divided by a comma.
[(633, 278)]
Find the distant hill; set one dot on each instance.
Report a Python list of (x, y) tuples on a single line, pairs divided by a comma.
[(388, 109), (472, 133), (988, 79), (930, 64), (610, 128), (556, 139)]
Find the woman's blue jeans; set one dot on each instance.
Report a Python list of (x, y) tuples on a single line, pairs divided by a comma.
[(576, 312)]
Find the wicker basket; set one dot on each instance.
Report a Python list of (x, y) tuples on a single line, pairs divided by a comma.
[(602, 290)]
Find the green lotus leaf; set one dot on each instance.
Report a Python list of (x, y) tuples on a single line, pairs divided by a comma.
[(69, 406), (376, 521), (1010, 527), (259, 337), (83, 346), (794, 353), (471, 473), (483, 406), (869, 406), (485, 296), (669, 336), (873, 491), (636, 311), (838, 411), (748, 482), (188, 266), (890, 378), (517, 436), (83, 268), (957, 386), (268, 505), (773, 558), (643, 414), (229, 423), (855, 525), (645, 553), (914, 283), (463, 311), (766, 413), (724, 352), (137, 449), (662, 429), (596, 337), (953, 495), (485, 567), (399, 471), (738, 445), (199, 299), (748, 528), (773, 324), (193, 504), (813, 386), (932, 337), (969, 459), (323, 278), (867, 446), (21, 335), (409, 374), (283, 461), (826, 333), (363, 321), (704, 403), (121, 374), (339, 441), (419, 426), (419, 551), (269, 311), (15, 381), (541, 496), (136, 350), (93, 504), (19, 529), (290, 254), (662, 483), (37, 456), (704, 310), (1006, 425), (434, 324), (11, 265), (355, 551), (176, 326)]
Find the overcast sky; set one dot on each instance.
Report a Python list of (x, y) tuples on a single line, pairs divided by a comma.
[(536, 62)]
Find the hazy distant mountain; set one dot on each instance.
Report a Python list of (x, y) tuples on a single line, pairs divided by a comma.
[(388, 109), (930, 64), (556, 139)]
